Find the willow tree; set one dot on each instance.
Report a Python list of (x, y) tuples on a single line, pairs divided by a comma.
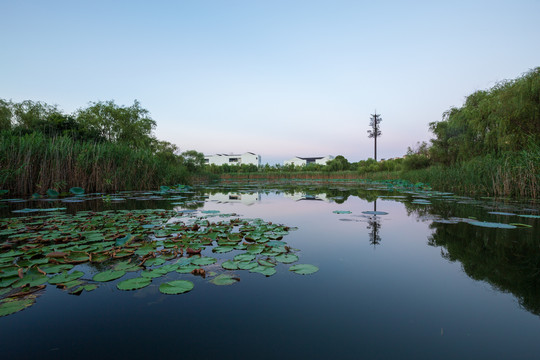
[(375, 130)]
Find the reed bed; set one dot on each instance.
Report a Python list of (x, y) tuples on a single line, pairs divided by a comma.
[(34, 163)]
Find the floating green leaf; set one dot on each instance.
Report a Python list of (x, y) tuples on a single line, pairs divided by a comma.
[(286, 258), (492, 225), (244, 257), (246, 265), (109, 275), (265, 270), (10, 306), (176, 287), (186, 269), (76, 190), (230, 265), (222, 249), (134, 284), (65, 277), (255, 249), (203, 261), (304, 269), (224, 279)]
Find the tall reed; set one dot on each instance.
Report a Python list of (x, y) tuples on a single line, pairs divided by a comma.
[(35, 163)]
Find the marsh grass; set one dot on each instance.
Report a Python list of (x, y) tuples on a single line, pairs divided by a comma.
[(34, 163)]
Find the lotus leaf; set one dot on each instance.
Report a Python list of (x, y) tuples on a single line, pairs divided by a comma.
[(263, 262), (124, 240), (265, 270), (246, 265), (133, 284), (7, 281), (230, 265), (108, 275), (222, 249), (492, 225), (304, 269), (53, 269), (224, 279), (154, 273), (76, 190), (255, 249), (154, 261), (342, 212), (10, 306), (186, 269), (287, 258), (203, 261), (244, 257), (65, 277), (176, 287)]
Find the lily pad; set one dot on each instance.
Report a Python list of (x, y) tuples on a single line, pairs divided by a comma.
[(134, 284), (286, 258), (492, 225), (342, 212), (230, 265), (244, 257), (186, 269), (9, 306), (76, 190), (224, 279), (109, 275), (265, 270), (203, 261), (304, 269), (255, 249), (246, 265), (176, 287), (65, 277)]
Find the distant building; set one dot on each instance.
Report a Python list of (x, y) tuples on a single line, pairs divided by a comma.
[(300, 161), (231, 159)]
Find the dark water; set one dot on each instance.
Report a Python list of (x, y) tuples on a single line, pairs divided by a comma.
[(413, 283)]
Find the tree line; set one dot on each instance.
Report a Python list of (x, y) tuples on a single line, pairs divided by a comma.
[(99, 122)]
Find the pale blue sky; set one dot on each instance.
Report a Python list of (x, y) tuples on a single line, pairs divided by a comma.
[(278, 78)]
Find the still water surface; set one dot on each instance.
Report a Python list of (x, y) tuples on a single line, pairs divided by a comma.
[(418, 282)]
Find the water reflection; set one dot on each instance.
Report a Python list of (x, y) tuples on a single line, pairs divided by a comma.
[(235, 197), (298, 196), (374, 225)]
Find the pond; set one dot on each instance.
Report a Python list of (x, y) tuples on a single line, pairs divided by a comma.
[(270, 271)]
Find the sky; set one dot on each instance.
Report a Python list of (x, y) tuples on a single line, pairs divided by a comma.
[(279, 78)]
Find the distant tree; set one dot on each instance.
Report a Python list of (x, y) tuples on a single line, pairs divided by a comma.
[(193, 160), (128, 124), (375, 131), (32, 115), (339, 163)]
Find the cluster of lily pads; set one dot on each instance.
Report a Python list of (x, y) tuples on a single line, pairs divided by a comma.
[(78, 252)]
